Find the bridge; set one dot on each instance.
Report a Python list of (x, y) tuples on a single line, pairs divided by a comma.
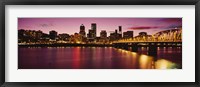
[(152, 46), (168, 38)]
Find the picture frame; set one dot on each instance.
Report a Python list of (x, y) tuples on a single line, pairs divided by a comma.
[(98, 2)]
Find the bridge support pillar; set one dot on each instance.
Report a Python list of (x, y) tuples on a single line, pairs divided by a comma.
[(134, 47), (152, 51), (125, 46), (120, 45), (116, 45)]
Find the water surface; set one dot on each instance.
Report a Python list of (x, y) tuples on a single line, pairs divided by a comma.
[(97, 58)]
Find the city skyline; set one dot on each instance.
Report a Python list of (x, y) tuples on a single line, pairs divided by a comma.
[(72, 25), (87, 43)]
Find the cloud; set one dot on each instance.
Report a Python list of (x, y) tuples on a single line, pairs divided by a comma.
[(44, 25), (174, 26), (171, 20), (155, 27), (144, 27)]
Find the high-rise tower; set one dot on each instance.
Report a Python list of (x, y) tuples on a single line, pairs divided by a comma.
[(82, 30), (120, 31), (94, 28)]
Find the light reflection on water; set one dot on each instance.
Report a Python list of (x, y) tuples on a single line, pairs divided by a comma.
[(97, 58)]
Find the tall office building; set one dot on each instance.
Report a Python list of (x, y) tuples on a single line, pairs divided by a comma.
[(116, 32), (82, 30), (120, 31), (91, 35), (94, 28)]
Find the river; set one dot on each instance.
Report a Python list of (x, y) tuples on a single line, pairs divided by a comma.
[(97, 58)]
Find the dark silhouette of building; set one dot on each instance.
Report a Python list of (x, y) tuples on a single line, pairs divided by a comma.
[(91, 35), (52, 34), (114, 36), (45, 36), (120, 31), (103, 37), (116, 31), (21, 33), (92, 32), (82, 30), (103, 34), (64, 37), (94, 28), (29, 35), (128, 34), (21, 36), (38, 34), (98, 39)]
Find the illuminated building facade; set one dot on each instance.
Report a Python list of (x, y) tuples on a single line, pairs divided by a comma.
[(94, 28), (91, 36), (128, 34), (64, 37), (82, 30)]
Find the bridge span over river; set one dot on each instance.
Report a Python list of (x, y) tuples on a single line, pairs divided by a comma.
[(152, 46)]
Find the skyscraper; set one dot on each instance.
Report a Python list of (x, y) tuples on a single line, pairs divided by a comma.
[(90, 31), (94, 28), (120, 31), (116, 32), (82, 30), (90, 35)]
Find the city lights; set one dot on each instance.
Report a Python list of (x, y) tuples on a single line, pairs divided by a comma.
[(100, 43), (27, 37)]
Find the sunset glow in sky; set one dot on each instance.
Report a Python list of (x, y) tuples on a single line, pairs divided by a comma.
[(72, 25)]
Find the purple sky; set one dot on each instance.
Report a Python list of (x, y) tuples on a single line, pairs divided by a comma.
[(72, 25)]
